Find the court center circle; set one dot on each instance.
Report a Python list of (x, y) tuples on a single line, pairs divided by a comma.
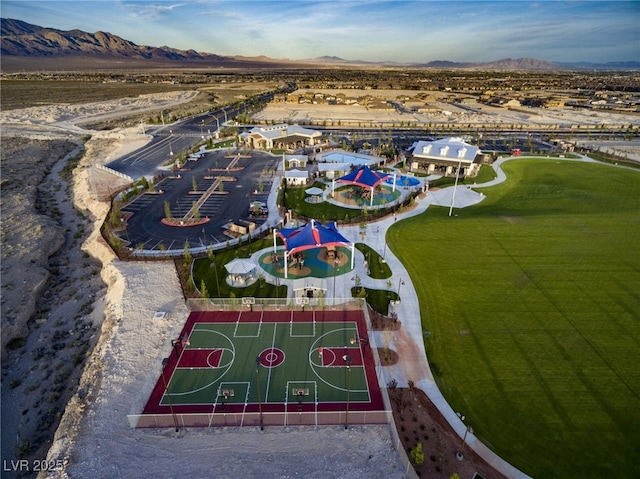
[(271, 357)]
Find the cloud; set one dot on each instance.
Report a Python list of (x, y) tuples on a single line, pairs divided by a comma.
[(151, 11)]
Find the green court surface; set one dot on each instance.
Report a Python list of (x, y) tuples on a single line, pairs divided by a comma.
[(301, 367), (239, 361)]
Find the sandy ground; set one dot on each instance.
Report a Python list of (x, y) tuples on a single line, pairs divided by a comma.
[(124, 344)]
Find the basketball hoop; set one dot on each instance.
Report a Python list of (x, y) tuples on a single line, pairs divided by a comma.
[(302, 301), (248, 300)]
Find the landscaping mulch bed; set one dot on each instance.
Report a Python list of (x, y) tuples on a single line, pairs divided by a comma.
[(418, 420)]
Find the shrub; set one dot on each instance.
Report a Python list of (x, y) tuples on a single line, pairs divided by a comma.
[(417, 455)]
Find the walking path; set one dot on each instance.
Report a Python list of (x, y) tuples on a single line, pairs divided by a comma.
[(408, 340)]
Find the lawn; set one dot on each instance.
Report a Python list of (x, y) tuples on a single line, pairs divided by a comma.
[(214, 277), (532, 299)]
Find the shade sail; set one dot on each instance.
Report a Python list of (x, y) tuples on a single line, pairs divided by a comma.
[(364, 176), (311, 235)]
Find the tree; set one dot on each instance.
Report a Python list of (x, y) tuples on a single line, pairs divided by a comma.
[(203, 290), (417, 455), (187, 257), (167, 210)]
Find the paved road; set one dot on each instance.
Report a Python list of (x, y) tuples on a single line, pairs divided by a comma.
[(168, 141)]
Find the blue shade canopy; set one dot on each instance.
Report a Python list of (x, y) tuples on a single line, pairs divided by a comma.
[(365, 177), (311, 235)]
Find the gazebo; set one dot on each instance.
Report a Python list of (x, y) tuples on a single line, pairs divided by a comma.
[(241, 272), (310, 236), (315, 194), (365, 177)]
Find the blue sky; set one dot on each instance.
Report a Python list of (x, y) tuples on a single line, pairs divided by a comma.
[(402, 31)]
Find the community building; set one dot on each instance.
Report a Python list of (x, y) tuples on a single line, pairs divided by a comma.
[(296, 177), (333, 170), (445, 156), (280, 136)]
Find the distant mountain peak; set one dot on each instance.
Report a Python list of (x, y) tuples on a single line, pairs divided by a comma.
[(26, 46)]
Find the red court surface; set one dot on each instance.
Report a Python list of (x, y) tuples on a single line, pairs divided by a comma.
[(200, 358)]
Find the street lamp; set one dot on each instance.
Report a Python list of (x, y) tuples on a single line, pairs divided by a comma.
[(165, 361), (215, 271), (400, 283), (258, 384), (174, 345), (124, 226), (336, 262), (347, 359), (460, 455), (455, 187)]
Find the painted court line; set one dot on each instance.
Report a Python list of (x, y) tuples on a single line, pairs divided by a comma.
[(273, 345)]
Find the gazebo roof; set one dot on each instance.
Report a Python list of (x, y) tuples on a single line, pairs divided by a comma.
[(365, 177), (240, 266), (312, 235)]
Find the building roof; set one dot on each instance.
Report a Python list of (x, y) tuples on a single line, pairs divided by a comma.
[(283, 130), (333, 166), (295, 173), (452, 149)]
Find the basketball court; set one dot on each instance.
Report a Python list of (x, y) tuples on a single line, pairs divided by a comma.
[(269, 368)]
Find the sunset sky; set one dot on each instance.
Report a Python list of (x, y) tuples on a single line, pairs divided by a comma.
[(371, 30)]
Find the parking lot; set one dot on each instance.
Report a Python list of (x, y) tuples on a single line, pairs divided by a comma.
[(241, 180)]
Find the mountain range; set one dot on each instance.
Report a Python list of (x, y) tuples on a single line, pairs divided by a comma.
[(26, 47)]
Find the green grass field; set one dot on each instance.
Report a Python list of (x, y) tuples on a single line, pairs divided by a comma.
[(532, 299)]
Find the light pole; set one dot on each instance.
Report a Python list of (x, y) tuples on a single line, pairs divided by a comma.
[(258, 384), (347, 359), (174, 345), (215, 271), (400, 283), (460, 455), (124, 226), (336, 262), (455, 186), (165, 361)]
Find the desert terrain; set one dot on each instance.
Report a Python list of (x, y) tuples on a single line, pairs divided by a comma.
[(79, 343)]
